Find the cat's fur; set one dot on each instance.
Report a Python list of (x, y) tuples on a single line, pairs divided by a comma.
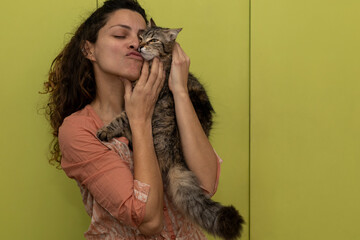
[(180, 183)]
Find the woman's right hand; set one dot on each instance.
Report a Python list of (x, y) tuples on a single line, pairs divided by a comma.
[(139, 106), (140, 101)]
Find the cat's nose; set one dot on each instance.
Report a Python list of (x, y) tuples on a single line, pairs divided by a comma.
[(141, 46)]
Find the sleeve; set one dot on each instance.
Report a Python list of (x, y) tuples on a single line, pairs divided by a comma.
[(102, 172)]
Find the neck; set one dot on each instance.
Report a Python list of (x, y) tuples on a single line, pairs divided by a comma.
[(109, 100)]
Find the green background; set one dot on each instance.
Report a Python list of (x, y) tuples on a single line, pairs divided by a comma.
[(284, 80), (305, 120)]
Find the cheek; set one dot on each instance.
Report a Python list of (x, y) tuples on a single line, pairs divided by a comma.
[(149, 52), (154, 50), (109, 55), (110, 58), (114, 48), (112, 51), (109, 47)]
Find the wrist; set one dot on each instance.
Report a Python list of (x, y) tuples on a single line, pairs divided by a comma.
[(141, 127), (184, 93)]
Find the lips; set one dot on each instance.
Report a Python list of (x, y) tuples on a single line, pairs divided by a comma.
[(135, 55)]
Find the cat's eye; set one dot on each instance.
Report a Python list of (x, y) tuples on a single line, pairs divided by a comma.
[(153, 40)]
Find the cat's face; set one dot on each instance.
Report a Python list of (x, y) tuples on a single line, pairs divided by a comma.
[(156, 41)]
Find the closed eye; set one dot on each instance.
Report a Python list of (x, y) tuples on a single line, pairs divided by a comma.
[(153, 40), (120, 37)]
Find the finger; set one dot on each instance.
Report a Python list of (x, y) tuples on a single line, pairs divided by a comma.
[(154, 72), (179, 56), (128, 89), (183, 58), (182, 54), (175, 52), (179, 50), (144, 74)]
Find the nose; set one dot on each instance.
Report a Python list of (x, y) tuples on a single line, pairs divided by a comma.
[(134, 43)]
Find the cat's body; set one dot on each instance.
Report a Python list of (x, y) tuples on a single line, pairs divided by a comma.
[(180, 183)]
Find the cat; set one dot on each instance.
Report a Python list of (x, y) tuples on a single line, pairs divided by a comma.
[(180, 183)]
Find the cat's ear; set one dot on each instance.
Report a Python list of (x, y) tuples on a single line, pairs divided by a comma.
[(173, 33), (151, 23)]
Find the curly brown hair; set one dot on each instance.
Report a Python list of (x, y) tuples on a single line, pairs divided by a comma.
[(71, 83)]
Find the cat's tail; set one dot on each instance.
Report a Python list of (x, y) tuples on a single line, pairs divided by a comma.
[(188, 197)]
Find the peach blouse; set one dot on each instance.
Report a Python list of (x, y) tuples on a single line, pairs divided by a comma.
[(114, 200)]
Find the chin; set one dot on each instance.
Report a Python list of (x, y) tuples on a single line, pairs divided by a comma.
[(133, 73), (132, 76)]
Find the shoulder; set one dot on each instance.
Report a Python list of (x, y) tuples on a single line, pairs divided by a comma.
[(78, 131), (78, 122)]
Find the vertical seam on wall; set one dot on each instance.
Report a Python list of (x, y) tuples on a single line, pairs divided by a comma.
[(249, 120), (97, 4)]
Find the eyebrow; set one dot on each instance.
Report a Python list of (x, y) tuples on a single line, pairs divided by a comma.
[(124, 26), (121, 25)]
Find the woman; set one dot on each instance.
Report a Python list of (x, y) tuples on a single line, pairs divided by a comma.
[(89, 85)]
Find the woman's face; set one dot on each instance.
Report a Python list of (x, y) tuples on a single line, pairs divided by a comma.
[(115, 51)]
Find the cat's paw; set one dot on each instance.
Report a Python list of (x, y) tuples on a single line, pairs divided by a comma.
[(103, 134)]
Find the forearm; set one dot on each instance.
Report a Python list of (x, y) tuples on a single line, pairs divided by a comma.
[(146, 169), (198, 152)]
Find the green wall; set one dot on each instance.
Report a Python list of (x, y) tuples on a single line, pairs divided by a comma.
[(284, 80), (37, 201), (305, 115)]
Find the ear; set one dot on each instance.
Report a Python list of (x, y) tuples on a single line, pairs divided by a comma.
[(173, 33), (88, 50), (151, 23)]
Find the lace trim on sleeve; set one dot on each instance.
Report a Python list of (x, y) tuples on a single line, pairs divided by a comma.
[(141, 191)]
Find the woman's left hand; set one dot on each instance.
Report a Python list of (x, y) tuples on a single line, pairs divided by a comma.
[(179, 72), (198, 152)]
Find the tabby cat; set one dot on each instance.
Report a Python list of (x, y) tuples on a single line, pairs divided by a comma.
[(180, 183)]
